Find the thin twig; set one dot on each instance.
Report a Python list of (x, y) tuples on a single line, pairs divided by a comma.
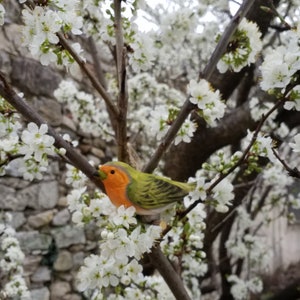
[(243, 157), (97, 62), (207, 73), (100, 89), (292, 172)]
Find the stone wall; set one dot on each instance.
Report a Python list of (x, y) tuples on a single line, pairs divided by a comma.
[(54, 247)]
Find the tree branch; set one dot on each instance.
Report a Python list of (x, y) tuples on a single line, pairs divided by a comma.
[(80, 162), (161, 263), (122, 83), (188, 106), (100, 89)]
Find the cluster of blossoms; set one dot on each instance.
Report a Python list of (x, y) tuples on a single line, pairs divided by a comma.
[(99, 21), (184, 243), (41, 26), (33, 143), (241, 289), (86, 110), (36, 146), (260, 108), (243, 48), (13, 285), (222, 194), (252, 249), (159, 109), (208, 101), (123, 242), (280, 67), (176, 52)]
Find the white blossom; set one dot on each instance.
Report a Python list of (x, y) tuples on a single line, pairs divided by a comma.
[(13, 285), (296, 146), (125, 216), (243, 48), (186, 132), (208, 101), (36, 142), (223, 193)]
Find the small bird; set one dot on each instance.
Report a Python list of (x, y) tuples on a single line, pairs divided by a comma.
[(149, 194)]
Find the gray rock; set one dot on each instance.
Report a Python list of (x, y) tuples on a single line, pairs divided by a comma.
[(31, 263), (59, 289), (37, 80), (62, 201), (61, 218), (18, 219), (28, 197), (48, 195), (40, 219), (98, 152), (14, 182), (33, 240), (68, 235), (72, 297), (69, 123), (42, 274), (8, 199), (78, 259), (50, 110), (40, 294), (64, 261)]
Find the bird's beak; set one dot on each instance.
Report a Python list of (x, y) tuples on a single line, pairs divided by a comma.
[(100, 174)]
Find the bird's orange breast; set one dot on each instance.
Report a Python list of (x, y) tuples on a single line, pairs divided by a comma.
[(118, 196)]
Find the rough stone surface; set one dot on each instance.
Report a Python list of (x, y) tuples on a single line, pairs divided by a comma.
[(28, 197), (50, 110), (59, 289), (18, 219), (64, 261), (42, 274), (37, 80), (68, 235), (78, 259), (98, 152), (68, 123), (31, 263), (40, 294), (62, 201), (8, 199), (61, 218), (33, 240), (48, 195), (71, 297), (40, 219)]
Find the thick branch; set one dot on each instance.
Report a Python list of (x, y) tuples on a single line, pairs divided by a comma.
[(80, 162), (161, 263)]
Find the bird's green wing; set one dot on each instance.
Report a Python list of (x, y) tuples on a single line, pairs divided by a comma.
[(152, 192)]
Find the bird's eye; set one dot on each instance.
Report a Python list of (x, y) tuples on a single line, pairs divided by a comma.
[(112, 172)]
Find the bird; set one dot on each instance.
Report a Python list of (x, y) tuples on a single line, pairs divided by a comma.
[(149, 194)]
